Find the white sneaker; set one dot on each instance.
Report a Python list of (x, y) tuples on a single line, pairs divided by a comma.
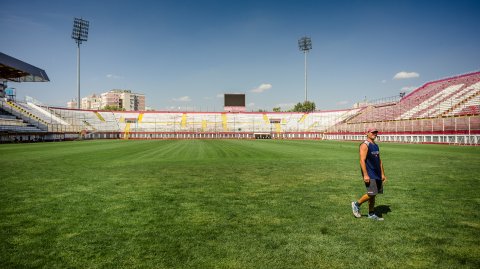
[(374, 217), (356, 210)]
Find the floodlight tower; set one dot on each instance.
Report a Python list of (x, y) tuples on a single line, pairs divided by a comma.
[(79, 34), (305, 45)]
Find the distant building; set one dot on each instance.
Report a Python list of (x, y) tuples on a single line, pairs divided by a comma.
[(110, 99), (92, 102), (123, 99), (72, 104)]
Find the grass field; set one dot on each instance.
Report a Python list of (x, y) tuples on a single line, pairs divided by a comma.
[(234, 204)]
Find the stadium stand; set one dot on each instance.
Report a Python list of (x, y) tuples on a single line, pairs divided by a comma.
[(442, 111), (16, 123), (210, 122), (14, 129), (433, 99), (24, 113), (10, 123)]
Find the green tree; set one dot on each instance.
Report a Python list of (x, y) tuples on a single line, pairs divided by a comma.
[(309, 106), (276, 109), (113, 108), (306, 106)]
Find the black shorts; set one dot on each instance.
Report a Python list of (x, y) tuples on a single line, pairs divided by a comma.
[(374, 187)]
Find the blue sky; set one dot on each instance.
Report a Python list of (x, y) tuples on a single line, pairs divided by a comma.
[(186, 54)]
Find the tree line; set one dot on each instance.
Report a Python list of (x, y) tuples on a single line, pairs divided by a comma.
[(306, 106)]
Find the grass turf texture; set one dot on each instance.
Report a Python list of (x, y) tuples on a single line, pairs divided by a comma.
[(234, 204)]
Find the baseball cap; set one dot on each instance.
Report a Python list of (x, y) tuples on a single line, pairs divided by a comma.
[(372, 130)]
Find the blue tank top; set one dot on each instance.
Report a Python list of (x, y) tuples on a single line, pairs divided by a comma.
[(372, 161)]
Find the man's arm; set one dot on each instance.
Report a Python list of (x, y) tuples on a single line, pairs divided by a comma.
[(384, 178), (363, 158)]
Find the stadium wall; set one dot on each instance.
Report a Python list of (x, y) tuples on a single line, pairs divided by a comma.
[(463, 130)]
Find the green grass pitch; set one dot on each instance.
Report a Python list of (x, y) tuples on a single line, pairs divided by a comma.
[(234, 204)]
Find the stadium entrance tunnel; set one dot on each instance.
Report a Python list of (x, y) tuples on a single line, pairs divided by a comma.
[(263, 136)]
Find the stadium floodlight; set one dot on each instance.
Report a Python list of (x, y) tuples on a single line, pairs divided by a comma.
[(305, 45), (79, 34)]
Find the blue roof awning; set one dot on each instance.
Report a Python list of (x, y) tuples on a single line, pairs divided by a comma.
[(15, 70)]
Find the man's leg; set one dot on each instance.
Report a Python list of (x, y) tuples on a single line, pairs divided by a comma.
[(371, 205), (371, 209), (356, 205), (363, 199)]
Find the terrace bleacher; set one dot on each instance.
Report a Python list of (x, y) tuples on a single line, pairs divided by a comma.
[(449, 106), (13, 129), (446, 97), (9, 123), (210, 122)]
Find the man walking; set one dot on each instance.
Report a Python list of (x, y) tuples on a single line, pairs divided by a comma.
[(373, 174)]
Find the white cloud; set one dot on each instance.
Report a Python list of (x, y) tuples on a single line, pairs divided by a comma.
[(112, 76), (220, 95), (250, 104), (263, 87), (342, 103), (182, 99), (405, 75)]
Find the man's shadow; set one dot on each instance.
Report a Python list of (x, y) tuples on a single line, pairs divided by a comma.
[(382, 209)]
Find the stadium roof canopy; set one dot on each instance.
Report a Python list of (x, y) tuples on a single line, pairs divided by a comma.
[(15, 70)]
